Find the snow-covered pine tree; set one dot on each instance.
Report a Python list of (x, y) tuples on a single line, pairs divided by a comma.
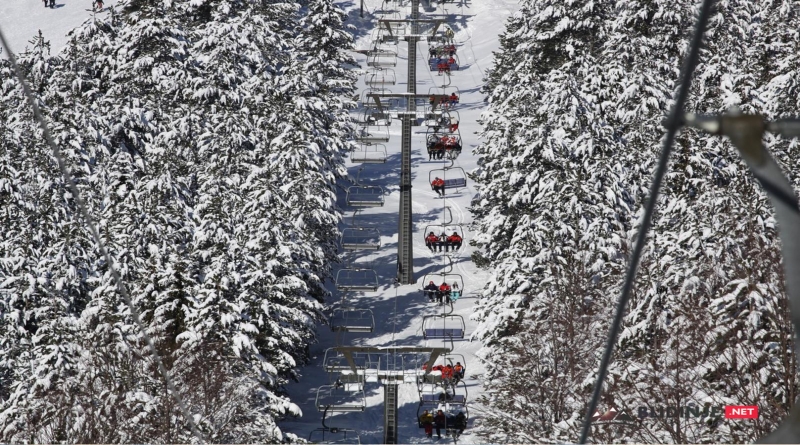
[(708, 325), (552, 216), (47, 260)]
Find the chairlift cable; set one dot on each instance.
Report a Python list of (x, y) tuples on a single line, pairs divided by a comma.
[(672, 128), (90, 224)]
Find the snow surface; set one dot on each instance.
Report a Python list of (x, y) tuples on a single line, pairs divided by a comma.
[(20, 20), (398, 312)]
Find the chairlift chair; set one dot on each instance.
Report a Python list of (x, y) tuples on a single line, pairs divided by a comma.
[(442, 143), (449, 416), (443, 327), (434, 62), (454, 177), (437, 396), (445, 230), (360, 238), (365, 196), (381, 77), (352, 320), (357, 279), (373, 117), (435, 377), (369, 154), (444, 277), (334, 436), (381, 60), (372, 134), (341, 398), (367, 101)]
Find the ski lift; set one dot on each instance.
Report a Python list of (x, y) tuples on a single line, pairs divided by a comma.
[(455, 281), (372, 134), (382, 60), (454, 177), (369, 154), (334, 436), (446, 327), (381, 77), (378, 118), (365, 196), (345, 397), (435, 376), (449, 396), (450, 417), (352, 320), (443, 232), (446, 63), (357, 238), (357, 279), (441, 144)]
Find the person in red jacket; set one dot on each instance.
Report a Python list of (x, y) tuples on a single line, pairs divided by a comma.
[(444, 292), (438, 186), (447, 374), (453, 99), (453, 241), (432, 242)]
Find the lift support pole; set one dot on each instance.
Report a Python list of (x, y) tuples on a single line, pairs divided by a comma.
[(405, 244)]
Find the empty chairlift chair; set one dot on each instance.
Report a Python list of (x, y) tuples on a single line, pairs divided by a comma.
[(358, 238), (381, 77), (352, 320), (336, 362), (334, 435), (447, 327), (365, 196), (347, 397), (357, 279), (369, 154), (372, 134), (382, 60)]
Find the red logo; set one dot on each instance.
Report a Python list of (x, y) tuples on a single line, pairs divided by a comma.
[(741, 412)]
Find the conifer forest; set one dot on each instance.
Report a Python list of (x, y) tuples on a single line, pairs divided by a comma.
[(211, 142)]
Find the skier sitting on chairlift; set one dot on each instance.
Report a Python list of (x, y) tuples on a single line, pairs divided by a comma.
[(444, 293), (438, 186), (454, 240), (455, 293), (458, 372), (431, 289), (453, 99), (432, 242), (447, 375), (460, 423), (426, 420)]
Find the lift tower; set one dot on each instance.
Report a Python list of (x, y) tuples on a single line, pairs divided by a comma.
[(405, 245)]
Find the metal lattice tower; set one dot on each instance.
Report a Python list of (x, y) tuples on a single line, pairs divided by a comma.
[(405, 245)]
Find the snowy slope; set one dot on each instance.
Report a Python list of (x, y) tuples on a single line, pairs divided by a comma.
[(20, 20), (399, 311)]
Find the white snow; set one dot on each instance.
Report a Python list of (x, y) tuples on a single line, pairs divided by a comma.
[(21, 20)]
